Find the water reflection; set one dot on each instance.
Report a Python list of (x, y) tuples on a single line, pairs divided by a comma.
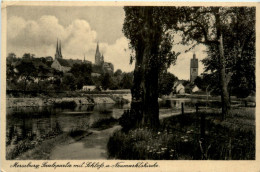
[(38, 122)]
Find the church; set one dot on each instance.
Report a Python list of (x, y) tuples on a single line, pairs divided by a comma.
[(59, 63), (64, 65), (101, 64)]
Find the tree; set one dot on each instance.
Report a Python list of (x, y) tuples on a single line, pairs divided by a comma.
[(26, 56), (105, 81), (126, 81), (11, 57), (82, 74), (166, 82), (42, 74), (118, 72), (209, 26), (69, 82), (239, 50), (26, 71), (151, 44)]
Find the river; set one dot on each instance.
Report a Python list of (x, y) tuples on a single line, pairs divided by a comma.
[(37, 122)]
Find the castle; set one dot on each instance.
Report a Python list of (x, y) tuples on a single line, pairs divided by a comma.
[(194, 65), (65, 65)]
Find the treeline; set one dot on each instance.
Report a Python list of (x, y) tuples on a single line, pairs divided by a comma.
[(35, 74)]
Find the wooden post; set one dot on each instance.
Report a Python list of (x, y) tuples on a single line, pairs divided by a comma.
[(182, 108), (245, 103), (202, 125), (197, 108), (202, 135)]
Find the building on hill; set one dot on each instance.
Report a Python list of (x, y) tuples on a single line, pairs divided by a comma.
[(61, 65), (108, 67), (65, 65), (97, 70), (74, 61), (194, 66), (99, 61)]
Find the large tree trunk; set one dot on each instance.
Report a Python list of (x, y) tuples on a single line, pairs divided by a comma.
[(145, 89), (223, 81), (150, 68), (137, 91)]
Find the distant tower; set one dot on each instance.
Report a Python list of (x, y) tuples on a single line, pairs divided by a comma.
[(194, 65), (58, 54), (97, 56)]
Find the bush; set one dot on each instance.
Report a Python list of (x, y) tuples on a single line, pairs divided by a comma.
[(129, 120)]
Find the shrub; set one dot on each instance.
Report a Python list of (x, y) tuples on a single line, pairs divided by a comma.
[(129, 120)]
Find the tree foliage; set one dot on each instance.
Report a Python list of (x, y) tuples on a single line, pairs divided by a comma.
[(166, 82), (217, 27)]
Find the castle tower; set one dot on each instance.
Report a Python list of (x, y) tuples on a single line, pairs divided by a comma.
[(194, 65), (98, 56), (58, 54)]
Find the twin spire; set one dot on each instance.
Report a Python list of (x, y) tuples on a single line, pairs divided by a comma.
[(58, 55), (58, 49)]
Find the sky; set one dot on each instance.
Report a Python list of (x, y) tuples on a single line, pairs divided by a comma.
[(34, 29)]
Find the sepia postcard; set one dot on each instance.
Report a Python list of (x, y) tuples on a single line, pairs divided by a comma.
[(134, 86)]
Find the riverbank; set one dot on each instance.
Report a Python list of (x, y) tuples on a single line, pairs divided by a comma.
[(79, 143), (49, 101)]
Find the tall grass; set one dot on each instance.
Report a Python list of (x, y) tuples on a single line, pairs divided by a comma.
[(179, 138)]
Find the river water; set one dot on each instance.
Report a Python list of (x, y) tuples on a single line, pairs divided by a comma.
[(37, 122)]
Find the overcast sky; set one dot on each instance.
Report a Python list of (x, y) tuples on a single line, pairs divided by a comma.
[(36, 29)]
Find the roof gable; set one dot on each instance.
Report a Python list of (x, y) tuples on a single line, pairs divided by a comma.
[(63, 62)]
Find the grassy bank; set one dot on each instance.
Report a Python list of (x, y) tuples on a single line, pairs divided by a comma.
[(179, 137), (40, 145)]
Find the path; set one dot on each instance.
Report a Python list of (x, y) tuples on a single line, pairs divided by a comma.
[(90, 147)]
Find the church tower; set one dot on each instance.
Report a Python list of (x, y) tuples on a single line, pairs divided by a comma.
[(98, 60), (58, 54), (194, 65)]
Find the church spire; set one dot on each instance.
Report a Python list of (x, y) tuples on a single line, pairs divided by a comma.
[(57, 47), (97, 50), (97, 56), (60, 50)]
